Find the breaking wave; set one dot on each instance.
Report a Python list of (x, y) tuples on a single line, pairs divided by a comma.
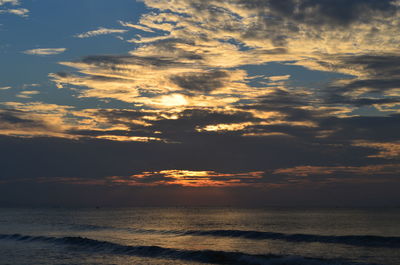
[(203, 256), (354, 240)]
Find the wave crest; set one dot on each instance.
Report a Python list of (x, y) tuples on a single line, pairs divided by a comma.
[(354, 240), (203, 256)]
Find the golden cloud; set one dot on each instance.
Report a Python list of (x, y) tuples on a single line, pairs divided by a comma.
[(189, 178)]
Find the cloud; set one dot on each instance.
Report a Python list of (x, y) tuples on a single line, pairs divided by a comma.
[(177, 178), (201, 82), (23, 12), (175, 73), (12, 2), (156, 81), (319, 13), (131, 25), (37, 119), (377, 82), (387, 150), (208, 104), (33, 119), (304, 171), (45, 51), (199, 70), (304, 27), (27, 93), (99, 31), (188, 178)]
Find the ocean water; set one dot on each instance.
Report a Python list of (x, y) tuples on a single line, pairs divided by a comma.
[(276, 236)]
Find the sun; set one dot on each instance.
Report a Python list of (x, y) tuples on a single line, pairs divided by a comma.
[(173, 100)]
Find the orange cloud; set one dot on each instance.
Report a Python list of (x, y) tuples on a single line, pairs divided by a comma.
[(189, 178), (387, 150), (304, 171)]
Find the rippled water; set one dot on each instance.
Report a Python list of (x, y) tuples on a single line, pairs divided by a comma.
[(200, 236)]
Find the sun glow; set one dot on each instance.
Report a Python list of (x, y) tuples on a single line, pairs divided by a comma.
[(173, 100), (189, 178)]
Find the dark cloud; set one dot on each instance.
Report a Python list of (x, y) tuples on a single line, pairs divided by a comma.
[(386, 65), (97, 159), (281, 98), (171, 46), (203, 117), (188, 120), (359, 102), (378, 74), (384, 128), (201, 82), (327, 12), (11, 118), (288, 103), (112, 61), (62, 74), (14, 117), (373, 85), (284, 21), (302, 132)]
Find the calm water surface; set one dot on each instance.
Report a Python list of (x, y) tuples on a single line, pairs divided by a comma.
[(200, 236)]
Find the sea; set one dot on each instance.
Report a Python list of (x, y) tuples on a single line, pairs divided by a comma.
[(200, 235)]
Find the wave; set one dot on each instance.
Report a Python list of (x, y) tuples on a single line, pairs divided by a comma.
[(354, 240), (203, 256)]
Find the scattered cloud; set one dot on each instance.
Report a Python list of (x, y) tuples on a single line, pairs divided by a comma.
[(194, 61), (6, 9), (131, 25), (23, 12), (12, 2), (100, 31), (45, 51), (27, 94)]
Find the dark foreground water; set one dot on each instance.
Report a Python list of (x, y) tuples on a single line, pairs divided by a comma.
[(200, 236)]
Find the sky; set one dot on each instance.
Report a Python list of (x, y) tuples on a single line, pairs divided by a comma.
[(199, 102)]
